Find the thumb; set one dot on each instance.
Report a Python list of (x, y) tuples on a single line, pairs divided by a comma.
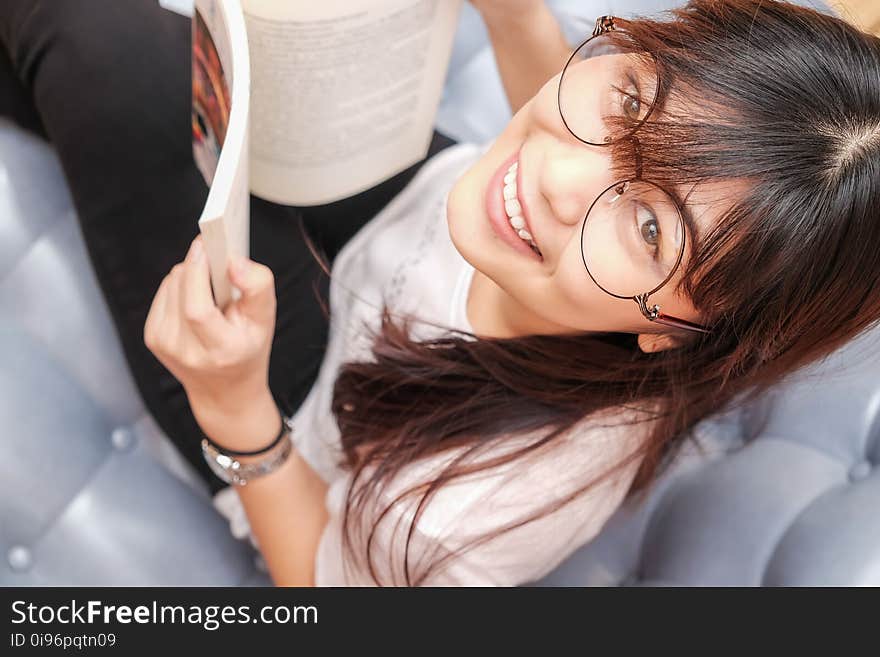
[(257, 285)]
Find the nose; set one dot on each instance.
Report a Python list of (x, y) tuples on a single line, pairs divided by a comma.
[(572, 176)]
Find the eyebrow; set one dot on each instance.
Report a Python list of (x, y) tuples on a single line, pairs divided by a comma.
[(691, 223), (687, 215)]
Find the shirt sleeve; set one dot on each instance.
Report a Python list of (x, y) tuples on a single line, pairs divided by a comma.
[(482, 505)]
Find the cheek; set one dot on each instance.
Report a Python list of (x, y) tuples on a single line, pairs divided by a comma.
[(566, 297), (539, 112), (578, 297), (543, 109), (572, 299)]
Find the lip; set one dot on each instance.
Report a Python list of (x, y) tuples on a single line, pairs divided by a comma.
[(497, 215)]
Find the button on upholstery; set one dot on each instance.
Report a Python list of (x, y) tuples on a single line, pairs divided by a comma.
[(860, 470), (122, 438), (19, 558)]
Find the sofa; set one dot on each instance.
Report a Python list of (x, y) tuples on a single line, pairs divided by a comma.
[(784, 491)]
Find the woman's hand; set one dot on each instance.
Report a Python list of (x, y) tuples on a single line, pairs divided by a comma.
[(221, 358)]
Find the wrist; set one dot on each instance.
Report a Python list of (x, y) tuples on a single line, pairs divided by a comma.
[(242, 424), (241, 467)]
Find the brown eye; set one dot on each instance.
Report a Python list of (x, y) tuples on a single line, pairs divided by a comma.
[(632, 107), (631, 100), (650, 232), (649, 229)]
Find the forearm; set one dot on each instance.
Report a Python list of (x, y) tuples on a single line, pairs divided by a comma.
[(285, 508), (287, 516), (529, 48), (222, 361)]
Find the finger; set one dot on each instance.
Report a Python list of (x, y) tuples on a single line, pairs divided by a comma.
[(156, 315), (257, 286), (172, 308), (166, 326), (203, 318)]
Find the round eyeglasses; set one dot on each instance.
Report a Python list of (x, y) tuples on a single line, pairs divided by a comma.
[(633, 237)]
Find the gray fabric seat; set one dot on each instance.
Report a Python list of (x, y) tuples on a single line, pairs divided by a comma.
[(93, 494), (788, 493)]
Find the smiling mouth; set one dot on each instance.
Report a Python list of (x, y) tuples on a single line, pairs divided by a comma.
[(513, 209)]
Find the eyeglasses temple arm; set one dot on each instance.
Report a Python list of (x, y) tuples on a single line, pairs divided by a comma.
[(653, 313), (668, 320)]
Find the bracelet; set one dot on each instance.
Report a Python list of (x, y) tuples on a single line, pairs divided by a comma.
[(231, 452), (228, 468)]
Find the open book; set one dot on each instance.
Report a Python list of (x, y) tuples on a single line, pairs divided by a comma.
[(305, 103)]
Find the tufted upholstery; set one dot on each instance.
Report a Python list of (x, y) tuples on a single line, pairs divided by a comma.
[(91, 493), (787, 494)]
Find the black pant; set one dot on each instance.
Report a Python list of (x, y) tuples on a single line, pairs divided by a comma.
[(108, 83)]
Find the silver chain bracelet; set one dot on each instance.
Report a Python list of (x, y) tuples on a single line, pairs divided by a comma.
[(232, 471)]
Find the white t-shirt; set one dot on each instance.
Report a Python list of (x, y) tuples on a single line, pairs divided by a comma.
[(405, 257)]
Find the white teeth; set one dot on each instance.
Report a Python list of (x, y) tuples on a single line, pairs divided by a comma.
[(513, 207)]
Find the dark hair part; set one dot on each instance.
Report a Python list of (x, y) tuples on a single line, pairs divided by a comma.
[(787, 275)]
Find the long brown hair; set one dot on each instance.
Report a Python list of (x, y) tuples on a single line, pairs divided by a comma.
[(787, 275)]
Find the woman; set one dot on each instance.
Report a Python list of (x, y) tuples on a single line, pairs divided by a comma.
[(682, 216)]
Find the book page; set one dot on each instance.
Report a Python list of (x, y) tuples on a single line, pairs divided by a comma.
[(220, 89), (343, 92)]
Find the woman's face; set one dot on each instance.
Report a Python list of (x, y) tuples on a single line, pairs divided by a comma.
[(557, 179)]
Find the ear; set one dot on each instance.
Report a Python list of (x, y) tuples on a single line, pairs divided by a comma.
[(651, 342)]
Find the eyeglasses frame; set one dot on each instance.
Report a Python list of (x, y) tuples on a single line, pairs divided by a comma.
[(604, 25)]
